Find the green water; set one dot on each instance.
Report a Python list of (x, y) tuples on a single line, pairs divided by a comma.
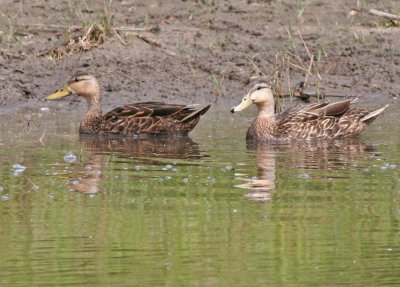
[(201, 211)]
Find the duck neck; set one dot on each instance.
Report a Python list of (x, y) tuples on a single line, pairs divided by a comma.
[(94, 105), (91, 120), (266, 110)]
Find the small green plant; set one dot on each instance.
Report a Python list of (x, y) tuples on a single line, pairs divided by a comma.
[(300, 5), (217, 86), (144, 22), (362, 37), (12, 26), (321, 53), (106, 17), (290, 35), (387, 23), (365, 2), (191, 15), (219, 43), (72, 12), (223, 41)]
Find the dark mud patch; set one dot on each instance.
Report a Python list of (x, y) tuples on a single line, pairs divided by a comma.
[(200, 51)]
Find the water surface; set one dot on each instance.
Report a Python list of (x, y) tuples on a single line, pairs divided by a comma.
[(207, 210)]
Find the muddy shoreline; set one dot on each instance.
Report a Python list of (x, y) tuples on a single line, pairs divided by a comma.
[(199, 51)]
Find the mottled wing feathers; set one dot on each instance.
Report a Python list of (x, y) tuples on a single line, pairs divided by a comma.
[(152, 117), (324, 121), (336, 109), (371, 116)]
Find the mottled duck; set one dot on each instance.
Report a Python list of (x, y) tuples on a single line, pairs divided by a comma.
[(147, 118), (318, 120)]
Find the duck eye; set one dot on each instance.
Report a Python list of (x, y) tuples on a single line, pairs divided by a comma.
[(76, 80), (259, 88)]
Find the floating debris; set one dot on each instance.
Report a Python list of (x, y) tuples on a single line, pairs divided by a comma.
[(259, 196), (44, 109), (366, 170), (210, 179), (168, 177), (88, 167), (18, 169), (5, 197), (138, 167), (168, 166), (70, 157), (1, 188), (18, 166), (35, 187), (387, 165), (185, 180), (174, 169), (229, 167), (304, 176), (75, 182)]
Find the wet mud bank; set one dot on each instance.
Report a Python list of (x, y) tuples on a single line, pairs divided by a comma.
[(197, 51)]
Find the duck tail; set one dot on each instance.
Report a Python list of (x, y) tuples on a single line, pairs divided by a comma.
[(369, 118), (195, 111)]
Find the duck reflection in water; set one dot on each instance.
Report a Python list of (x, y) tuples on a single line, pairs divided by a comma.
[(137, 151), (302, 155)]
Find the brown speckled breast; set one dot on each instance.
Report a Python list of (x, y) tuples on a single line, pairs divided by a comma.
[(262, 129)]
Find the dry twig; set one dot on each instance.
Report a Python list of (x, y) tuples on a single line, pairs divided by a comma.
[(74, 27), (384, 14)]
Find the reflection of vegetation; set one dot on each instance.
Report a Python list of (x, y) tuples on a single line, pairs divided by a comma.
[(153, 230)]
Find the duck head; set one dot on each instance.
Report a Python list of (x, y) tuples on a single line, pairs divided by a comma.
[(259, 93)]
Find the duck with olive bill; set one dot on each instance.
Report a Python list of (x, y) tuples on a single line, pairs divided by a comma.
[(313, 121), (146, 118)]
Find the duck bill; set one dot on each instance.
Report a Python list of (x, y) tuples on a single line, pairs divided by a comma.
[(245, 102), (59, 94)]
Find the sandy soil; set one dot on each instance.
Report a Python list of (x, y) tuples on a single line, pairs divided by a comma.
[(199, 51)]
